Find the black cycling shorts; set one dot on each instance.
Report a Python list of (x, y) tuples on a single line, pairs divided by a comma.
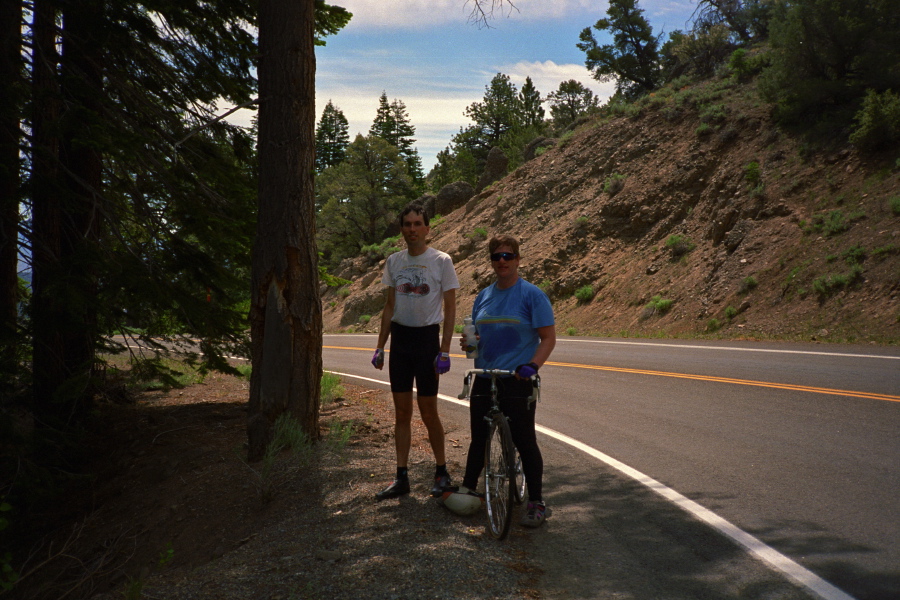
[(413, 350)]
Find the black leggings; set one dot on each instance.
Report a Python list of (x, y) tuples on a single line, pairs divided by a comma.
[(512, 394)]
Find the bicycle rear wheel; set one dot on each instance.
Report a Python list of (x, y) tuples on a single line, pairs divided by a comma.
[(499, 477), (519, 486)]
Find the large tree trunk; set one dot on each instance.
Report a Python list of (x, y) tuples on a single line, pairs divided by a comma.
[(286, 311), (10, 114), (82, 172), (66, 178), (47, 314)]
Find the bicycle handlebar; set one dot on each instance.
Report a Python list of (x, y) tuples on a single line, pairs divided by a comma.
[(536, 379)]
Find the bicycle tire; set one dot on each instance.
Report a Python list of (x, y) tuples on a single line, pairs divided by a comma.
[(519, 486), (499, 478)]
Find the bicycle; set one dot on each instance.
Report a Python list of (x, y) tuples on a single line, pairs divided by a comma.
[(504, 481)]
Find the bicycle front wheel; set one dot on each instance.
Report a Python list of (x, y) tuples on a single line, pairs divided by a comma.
[(519, 486), (499, 477)]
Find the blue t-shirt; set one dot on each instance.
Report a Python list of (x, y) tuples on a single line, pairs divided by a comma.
[(507, 322)]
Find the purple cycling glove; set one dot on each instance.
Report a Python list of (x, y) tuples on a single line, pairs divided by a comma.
[(378, 358), (527, 371), (442, 363)]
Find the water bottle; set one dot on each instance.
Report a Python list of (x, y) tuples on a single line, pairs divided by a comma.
[(471, 340)]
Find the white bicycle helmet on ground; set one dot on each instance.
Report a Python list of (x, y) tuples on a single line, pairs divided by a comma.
[(463, 501)]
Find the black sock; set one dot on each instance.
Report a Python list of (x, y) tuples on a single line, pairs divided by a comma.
[(441, 470), (402, 473)]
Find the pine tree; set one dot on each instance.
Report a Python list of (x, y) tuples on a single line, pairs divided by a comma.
[(570, 101), (499, 111), (392, 124), (360, 197), (532, 109), (332, 138), (632, 60)]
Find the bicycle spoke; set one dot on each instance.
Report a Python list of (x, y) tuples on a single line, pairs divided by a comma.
[(498, 481)]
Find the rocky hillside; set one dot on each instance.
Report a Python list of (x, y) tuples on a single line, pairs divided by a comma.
[(692, 215)]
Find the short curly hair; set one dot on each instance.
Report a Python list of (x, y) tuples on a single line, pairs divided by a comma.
[(503, 240), (414, 207)]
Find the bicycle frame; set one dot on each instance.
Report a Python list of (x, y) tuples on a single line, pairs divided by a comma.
[(504, 481)]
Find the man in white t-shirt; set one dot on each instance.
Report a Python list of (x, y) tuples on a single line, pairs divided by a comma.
[(421, 294)]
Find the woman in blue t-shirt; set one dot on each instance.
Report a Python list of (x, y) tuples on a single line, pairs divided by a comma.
[(516, 332)]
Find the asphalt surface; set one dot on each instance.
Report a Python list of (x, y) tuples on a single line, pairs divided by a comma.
[(795, 448)]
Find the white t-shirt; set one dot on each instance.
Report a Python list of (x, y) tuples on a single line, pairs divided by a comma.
[(419, 284)]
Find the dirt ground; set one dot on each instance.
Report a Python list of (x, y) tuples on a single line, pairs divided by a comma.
[(169, 508)]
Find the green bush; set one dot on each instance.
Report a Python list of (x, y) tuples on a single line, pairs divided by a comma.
[(895, 205), (585, 293), (657, 306), (384, 249), (831, 223), (713, 325), (744, 67), (747, 284), (752, 173), (730, 312), (614, 184), (854, 255), (828, 285), (878, 121), (679, 245)]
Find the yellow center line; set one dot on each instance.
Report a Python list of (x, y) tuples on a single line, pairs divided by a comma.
[(766, 384)]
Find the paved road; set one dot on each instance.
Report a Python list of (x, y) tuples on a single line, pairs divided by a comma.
[(796, 445)]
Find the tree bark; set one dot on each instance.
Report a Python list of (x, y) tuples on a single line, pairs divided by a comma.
[(286, 311), (10, 114), (47, 315), (82, 166)]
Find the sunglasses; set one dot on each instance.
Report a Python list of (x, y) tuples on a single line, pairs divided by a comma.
[(507, 256)]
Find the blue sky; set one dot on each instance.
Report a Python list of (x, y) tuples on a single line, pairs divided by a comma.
[(427, 54)]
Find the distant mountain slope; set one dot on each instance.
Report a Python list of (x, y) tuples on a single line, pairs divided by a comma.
[(723, 225)]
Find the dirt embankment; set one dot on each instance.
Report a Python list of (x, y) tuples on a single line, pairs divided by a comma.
[(673, 222)]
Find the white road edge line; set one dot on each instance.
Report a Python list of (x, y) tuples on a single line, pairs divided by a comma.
[(781, 563)]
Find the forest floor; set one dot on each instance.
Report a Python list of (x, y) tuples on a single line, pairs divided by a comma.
[(169, 508)]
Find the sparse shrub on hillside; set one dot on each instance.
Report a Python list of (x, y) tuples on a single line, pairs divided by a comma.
[(343, 292), (581, 222), (730, 312), (714, 113), (745, 66), (704, 129), (854, 255), (657, 306), (565, 138), (545, 286), (614, 184), (827, 285), (571, 331), (679, 245), (878, 121), (831, 223), (895, 205), (364, 319), (713, 325), (478, 234), (376, 252), (885, 250), (752, 173), (747, 284), (584, 294)]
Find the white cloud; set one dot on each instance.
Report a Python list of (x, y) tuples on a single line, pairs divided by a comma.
[(421, 14)]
